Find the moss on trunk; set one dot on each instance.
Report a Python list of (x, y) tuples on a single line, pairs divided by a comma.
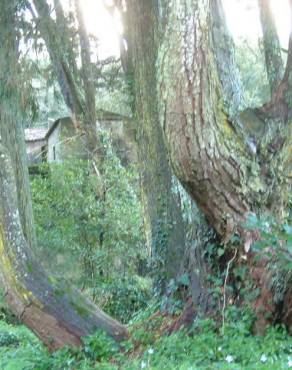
[(56, 312)]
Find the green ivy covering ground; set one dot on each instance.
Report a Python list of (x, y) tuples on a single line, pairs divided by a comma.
[(148, 348)]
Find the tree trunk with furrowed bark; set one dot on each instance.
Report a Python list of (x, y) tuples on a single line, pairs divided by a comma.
[(231, 164), (11, 114)]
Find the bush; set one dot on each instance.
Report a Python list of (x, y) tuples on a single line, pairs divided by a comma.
[(90, 227)]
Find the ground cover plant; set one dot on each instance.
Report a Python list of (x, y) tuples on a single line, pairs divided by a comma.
[(204, 347)]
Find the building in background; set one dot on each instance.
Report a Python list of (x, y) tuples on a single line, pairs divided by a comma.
[(61, 141)]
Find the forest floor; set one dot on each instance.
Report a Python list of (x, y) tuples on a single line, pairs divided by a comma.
[(205, 347)]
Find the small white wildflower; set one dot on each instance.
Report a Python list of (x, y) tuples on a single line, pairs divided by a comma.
[(229, 358), (289, 362), (219, 349), (143, 365), (150, 351), (263, 358)]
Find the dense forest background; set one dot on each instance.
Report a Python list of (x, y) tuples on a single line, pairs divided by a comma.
[(169, 246)]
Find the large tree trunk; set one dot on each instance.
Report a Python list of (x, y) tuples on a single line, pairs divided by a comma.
[(57, 313), (231, 165), (165, 228), (12, 117), (226, 177)]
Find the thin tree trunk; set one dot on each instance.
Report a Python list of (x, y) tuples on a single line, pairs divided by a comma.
[(63, 71), (272, 47), (67, 40), (81, 105), (225, 61), (88, 84), (163, 219)]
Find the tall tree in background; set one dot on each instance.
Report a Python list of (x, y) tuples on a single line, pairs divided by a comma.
[(164, 224), (80, 99), (57, 313), (272, 47), (76, 84)]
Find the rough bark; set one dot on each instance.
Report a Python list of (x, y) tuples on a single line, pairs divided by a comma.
[(228, 172), (163, 218), (225, 61), (12, 133), (213, 161), (58, 314), (272, 47)]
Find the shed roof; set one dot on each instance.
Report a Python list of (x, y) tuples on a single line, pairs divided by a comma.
[(102, 115), (35, 134)]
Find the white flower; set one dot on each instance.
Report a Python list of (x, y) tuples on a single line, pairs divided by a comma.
[(219, 349), (229, 358), (263, 358), (289, 362), (150, 351), (143, 365)]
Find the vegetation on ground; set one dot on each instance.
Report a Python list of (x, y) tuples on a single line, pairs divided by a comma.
[(203, 347)]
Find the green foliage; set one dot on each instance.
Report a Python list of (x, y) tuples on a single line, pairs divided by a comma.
[(19, 348), (251, 65), (203, 348), (8, 339), (5, 313), (275, 240), (99, 347), (126, 296), (89, 225)]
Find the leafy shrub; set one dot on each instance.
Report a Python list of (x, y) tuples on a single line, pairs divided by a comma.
[(99, 347), (275, 240), (127, 296), (90, 225), (149, 348), (7, 339)]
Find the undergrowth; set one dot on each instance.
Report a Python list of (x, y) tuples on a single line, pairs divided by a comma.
[(204, 347)]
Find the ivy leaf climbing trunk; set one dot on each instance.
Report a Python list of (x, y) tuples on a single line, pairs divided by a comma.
[(165, 228)]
